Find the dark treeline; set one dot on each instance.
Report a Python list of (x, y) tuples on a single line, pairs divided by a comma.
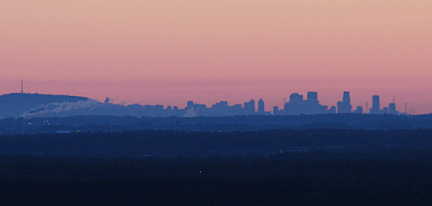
[(164, 167), (163, 143), (231, 123), (316, 178)]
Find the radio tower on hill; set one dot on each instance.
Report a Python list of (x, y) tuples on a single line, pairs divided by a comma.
[(22, 87)]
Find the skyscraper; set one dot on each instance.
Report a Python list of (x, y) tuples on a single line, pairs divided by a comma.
[(295, 98), (249, 107), (347, 100), (375, 105), (312, 97), (345, 105), (297, 105), (261, 106), (392, 108), (294, 105)]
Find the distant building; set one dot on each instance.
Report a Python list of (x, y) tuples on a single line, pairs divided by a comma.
[(392, 109), (312, 97), (375, 105), (376, 102), (332, 110), (190, 104), (275, 110), (297, 105), (193, 109), (359, 110), (384, 110), (294, 104), (345, 105), (220, 109), (249, 107), (261, 106), (261, 110), (295, 98), (236, 109)]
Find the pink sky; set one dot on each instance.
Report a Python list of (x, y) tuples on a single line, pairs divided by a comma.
[(167, 52)]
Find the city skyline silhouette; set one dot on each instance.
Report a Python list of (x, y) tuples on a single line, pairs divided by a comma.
[(38, 105), (178, 93)]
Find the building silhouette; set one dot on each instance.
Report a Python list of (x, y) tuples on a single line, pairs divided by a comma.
[(249, 107), (220, 109), (359, 110), (297, 105), (276, 110), (261, 106), (385, 110), (375, 105), (332, 110), (312, 98), (392, 109), (345, 105)]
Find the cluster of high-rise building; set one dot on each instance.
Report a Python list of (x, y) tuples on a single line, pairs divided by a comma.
[(296, 105), (376, 109), (223, 109), (344, 106)]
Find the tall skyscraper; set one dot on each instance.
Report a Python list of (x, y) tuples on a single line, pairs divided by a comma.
[(261, 106), (375, 105), (346, 98), (345, 105), (375, 102), (392, 109)]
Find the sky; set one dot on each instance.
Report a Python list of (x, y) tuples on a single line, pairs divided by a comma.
[(168, 52)]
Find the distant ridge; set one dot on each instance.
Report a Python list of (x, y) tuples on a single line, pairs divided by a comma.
[(14, 104)]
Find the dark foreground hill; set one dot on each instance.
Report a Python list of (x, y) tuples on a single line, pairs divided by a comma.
[(15, 104)]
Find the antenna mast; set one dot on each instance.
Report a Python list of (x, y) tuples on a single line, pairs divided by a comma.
[(22, 86)]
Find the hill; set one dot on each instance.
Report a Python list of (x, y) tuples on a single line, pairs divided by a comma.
[(14, 104)]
